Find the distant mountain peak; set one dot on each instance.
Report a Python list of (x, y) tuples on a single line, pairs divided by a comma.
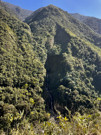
[(52, 6), (19, 12)]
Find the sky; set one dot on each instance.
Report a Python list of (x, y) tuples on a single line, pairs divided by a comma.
[(84, 7)]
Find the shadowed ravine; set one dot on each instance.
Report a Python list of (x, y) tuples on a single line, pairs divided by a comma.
[(51, 103)]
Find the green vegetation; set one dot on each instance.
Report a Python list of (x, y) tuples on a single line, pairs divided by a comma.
[(50, 72)]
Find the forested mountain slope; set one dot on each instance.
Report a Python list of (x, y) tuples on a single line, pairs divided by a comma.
[(50, 65), (21, 73), (92, 22), (73, 61)]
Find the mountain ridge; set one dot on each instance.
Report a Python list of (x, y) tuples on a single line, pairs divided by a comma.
[(93, 22), (84, 33)]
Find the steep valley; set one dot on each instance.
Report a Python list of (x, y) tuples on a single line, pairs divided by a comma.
[(50, 74)]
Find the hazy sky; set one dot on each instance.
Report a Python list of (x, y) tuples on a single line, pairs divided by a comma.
[(85, 7)]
